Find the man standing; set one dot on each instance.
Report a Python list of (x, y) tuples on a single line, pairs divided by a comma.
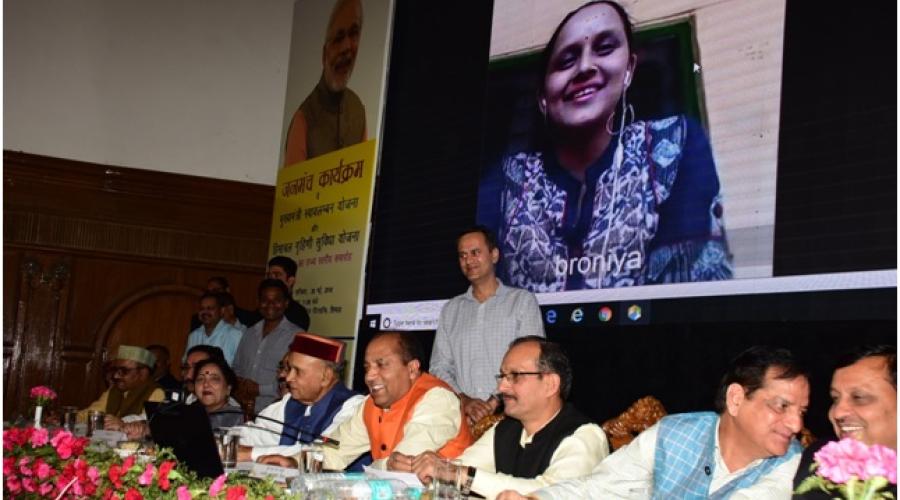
[(406, 413), (316, 403), (476, 327), (747, 450), (863, 406), (541, 441), (332, 116), (161, 373), (284, 269), (214, 330), (132, 386), (219, 284), (262, 346)]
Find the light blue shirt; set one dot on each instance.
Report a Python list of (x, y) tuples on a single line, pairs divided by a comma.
[(224, 336)]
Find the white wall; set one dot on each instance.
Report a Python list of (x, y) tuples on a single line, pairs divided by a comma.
[(194, 87)]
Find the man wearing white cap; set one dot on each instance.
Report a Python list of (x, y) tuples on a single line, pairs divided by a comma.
[(316, 403), (132, 386)]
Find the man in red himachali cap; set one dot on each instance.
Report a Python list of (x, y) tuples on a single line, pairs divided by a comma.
[(315, 404)]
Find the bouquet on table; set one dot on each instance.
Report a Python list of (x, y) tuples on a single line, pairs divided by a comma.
[(42, 396), (38, 463), (852, 470)]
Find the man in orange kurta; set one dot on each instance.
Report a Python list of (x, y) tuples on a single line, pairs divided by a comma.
[(406, 413)]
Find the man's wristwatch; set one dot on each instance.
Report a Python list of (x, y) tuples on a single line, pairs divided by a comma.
[(470, 476)]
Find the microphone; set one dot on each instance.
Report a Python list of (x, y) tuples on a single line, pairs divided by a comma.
[(707, 470), (334, 443)]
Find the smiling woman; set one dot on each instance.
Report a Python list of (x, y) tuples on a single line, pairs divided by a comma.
[(609, 201), (213, 381)]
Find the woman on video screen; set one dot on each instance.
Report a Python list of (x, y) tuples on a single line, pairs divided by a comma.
[(610, 201)]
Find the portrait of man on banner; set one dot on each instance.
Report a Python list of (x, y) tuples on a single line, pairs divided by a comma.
[(323, 112)]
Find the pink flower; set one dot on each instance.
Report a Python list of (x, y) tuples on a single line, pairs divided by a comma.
[(133, 494), (93, 474), (39, 438), (183, 493), (45, 489), (147, 477), (164, 470), (236, 493), (42, 469), (28, 485), (847, 458), (13, 484), (43, 392), (9, 463), (115, 475), (25, 466), (216, 485)]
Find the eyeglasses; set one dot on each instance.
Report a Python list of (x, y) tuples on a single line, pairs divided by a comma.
[(121, 370), (513, 377)]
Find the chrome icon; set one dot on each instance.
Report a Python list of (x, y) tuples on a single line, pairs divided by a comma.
[(605, 314)]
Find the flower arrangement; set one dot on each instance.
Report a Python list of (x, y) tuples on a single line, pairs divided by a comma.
[(38, 463), (42, 395), (853, 470)]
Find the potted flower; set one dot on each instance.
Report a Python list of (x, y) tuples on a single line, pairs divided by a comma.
[(42, 396), (850, 469)]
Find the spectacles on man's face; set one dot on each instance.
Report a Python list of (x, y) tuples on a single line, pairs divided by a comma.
[(122, 370), (513, 377)]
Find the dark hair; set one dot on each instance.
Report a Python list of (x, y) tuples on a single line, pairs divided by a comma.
[(286, 263), (408, 345), (551, 360), (158, 347), (215, 296), (749, 370), (484, 231), (888, 352), (227, 372), (211, 350), (226, 299), (547, 53), (273, 283), (221, 280)]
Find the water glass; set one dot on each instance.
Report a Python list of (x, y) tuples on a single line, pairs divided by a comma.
[(447, 480), (311, 458), (69, 418), (95, 421)]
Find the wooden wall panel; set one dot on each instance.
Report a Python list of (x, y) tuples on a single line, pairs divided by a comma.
[(98, 255)]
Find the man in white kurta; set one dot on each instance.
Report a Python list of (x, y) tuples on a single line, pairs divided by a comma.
[(542, 439)]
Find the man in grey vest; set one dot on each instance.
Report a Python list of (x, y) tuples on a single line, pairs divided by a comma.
[(747, 450)]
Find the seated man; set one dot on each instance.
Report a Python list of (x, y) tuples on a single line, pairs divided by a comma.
[(745, 451), (541, 441), (406, 413), (316, 403), (132, 386), (863, 407)]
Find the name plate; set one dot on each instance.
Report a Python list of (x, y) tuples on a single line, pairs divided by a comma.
[(278, 474), (111, 438)]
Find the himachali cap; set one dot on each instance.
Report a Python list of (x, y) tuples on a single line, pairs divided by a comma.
[(317, 346), (137, 354)]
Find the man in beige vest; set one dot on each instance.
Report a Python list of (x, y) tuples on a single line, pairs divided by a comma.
[(132, 386)]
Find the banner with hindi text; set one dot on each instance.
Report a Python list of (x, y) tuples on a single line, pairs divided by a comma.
[(321, 220)]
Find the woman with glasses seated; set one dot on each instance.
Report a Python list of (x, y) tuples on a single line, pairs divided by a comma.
[(213, 381)]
